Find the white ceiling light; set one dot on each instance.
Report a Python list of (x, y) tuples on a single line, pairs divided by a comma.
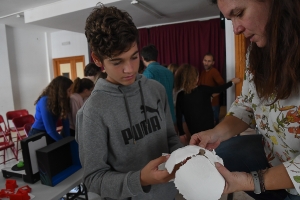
[(146, 9)]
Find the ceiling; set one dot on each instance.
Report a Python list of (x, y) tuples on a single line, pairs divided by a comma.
[(73, 19)]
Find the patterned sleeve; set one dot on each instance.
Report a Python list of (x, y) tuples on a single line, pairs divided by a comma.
[(293, 169), (242, 107)]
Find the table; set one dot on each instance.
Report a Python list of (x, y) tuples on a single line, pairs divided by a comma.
[(44, 192)]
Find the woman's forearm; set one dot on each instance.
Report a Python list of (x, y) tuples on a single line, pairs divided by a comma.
[(230, 126), (277, 178)]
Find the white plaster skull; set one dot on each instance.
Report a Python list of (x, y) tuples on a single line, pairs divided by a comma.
[(198, 177)]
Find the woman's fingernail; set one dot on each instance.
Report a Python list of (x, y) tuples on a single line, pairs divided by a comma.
[(217, 164)]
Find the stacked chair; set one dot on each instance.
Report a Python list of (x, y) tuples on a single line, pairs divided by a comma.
[(18, 122), (19, 125), (6, 142)]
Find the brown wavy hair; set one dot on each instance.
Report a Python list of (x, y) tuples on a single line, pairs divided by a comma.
[(276, 67), (185, 78), (110, 31), (173, 68), (58, 102)]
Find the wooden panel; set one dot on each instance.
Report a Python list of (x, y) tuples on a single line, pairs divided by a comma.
[(72, 61), (240, 60)]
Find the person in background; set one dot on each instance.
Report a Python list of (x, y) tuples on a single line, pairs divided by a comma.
[(141, 67), (125, 125), (159, 73), (81, 90), (210, 76), (53, 105), (93, 72), (265, 165), (173, 67), (194, 102)]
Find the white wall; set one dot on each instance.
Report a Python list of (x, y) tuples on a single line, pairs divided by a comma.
[(230, 60), (26, 63), (6, 99), (28, 66), (78, 45)]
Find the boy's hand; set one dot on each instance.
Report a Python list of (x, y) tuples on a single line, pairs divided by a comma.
[(150, 174)]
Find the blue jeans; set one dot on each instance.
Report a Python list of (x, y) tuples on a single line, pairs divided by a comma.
[(246, 154), (216, 110), (292, 197)]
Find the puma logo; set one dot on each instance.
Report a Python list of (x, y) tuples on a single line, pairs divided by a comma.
[(151, 110)]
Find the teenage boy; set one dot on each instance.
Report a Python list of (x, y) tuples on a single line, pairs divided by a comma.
[(125, 125)]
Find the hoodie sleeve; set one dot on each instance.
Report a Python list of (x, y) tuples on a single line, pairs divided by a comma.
[(98, 175)]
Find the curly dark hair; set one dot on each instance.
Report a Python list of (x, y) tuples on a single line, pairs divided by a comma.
[(185, 78), (58, 101), (110, 31), (276, 67)]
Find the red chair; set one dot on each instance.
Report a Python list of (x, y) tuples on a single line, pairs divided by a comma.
[(6, 144), (13, 114), (27, 127), (4, 128), (19, 123)]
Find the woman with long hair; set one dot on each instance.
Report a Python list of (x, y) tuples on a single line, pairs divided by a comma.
[(193, 101), (265, 165), (53, 105), (81, 90)]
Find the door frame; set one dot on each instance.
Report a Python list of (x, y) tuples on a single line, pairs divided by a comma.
[(72, 60)]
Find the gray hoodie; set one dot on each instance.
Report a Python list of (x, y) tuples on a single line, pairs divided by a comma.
[(119, 130)]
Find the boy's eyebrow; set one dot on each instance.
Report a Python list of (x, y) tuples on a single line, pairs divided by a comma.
[(117, 59)]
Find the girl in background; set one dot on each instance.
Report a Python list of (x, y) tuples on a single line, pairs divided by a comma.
[(173, 68), (93, 72), (81, 90), (194, 102), (53, 105)]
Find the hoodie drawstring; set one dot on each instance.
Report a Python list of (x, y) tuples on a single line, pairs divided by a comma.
[(128, 112), (144, 107)]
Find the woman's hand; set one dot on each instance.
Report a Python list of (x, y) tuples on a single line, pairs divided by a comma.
[(207, 139), (235, 181)]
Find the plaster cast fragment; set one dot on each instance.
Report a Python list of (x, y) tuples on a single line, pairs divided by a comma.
[(197, 178)]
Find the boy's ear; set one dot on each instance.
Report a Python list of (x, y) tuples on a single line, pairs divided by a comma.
[(97, 60)]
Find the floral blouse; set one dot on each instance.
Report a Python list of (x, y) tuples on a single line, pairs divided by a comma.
[(278, 123)]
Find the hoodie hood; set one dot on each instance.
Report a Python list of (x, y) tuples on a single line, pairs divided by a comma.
[(113, 89)]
